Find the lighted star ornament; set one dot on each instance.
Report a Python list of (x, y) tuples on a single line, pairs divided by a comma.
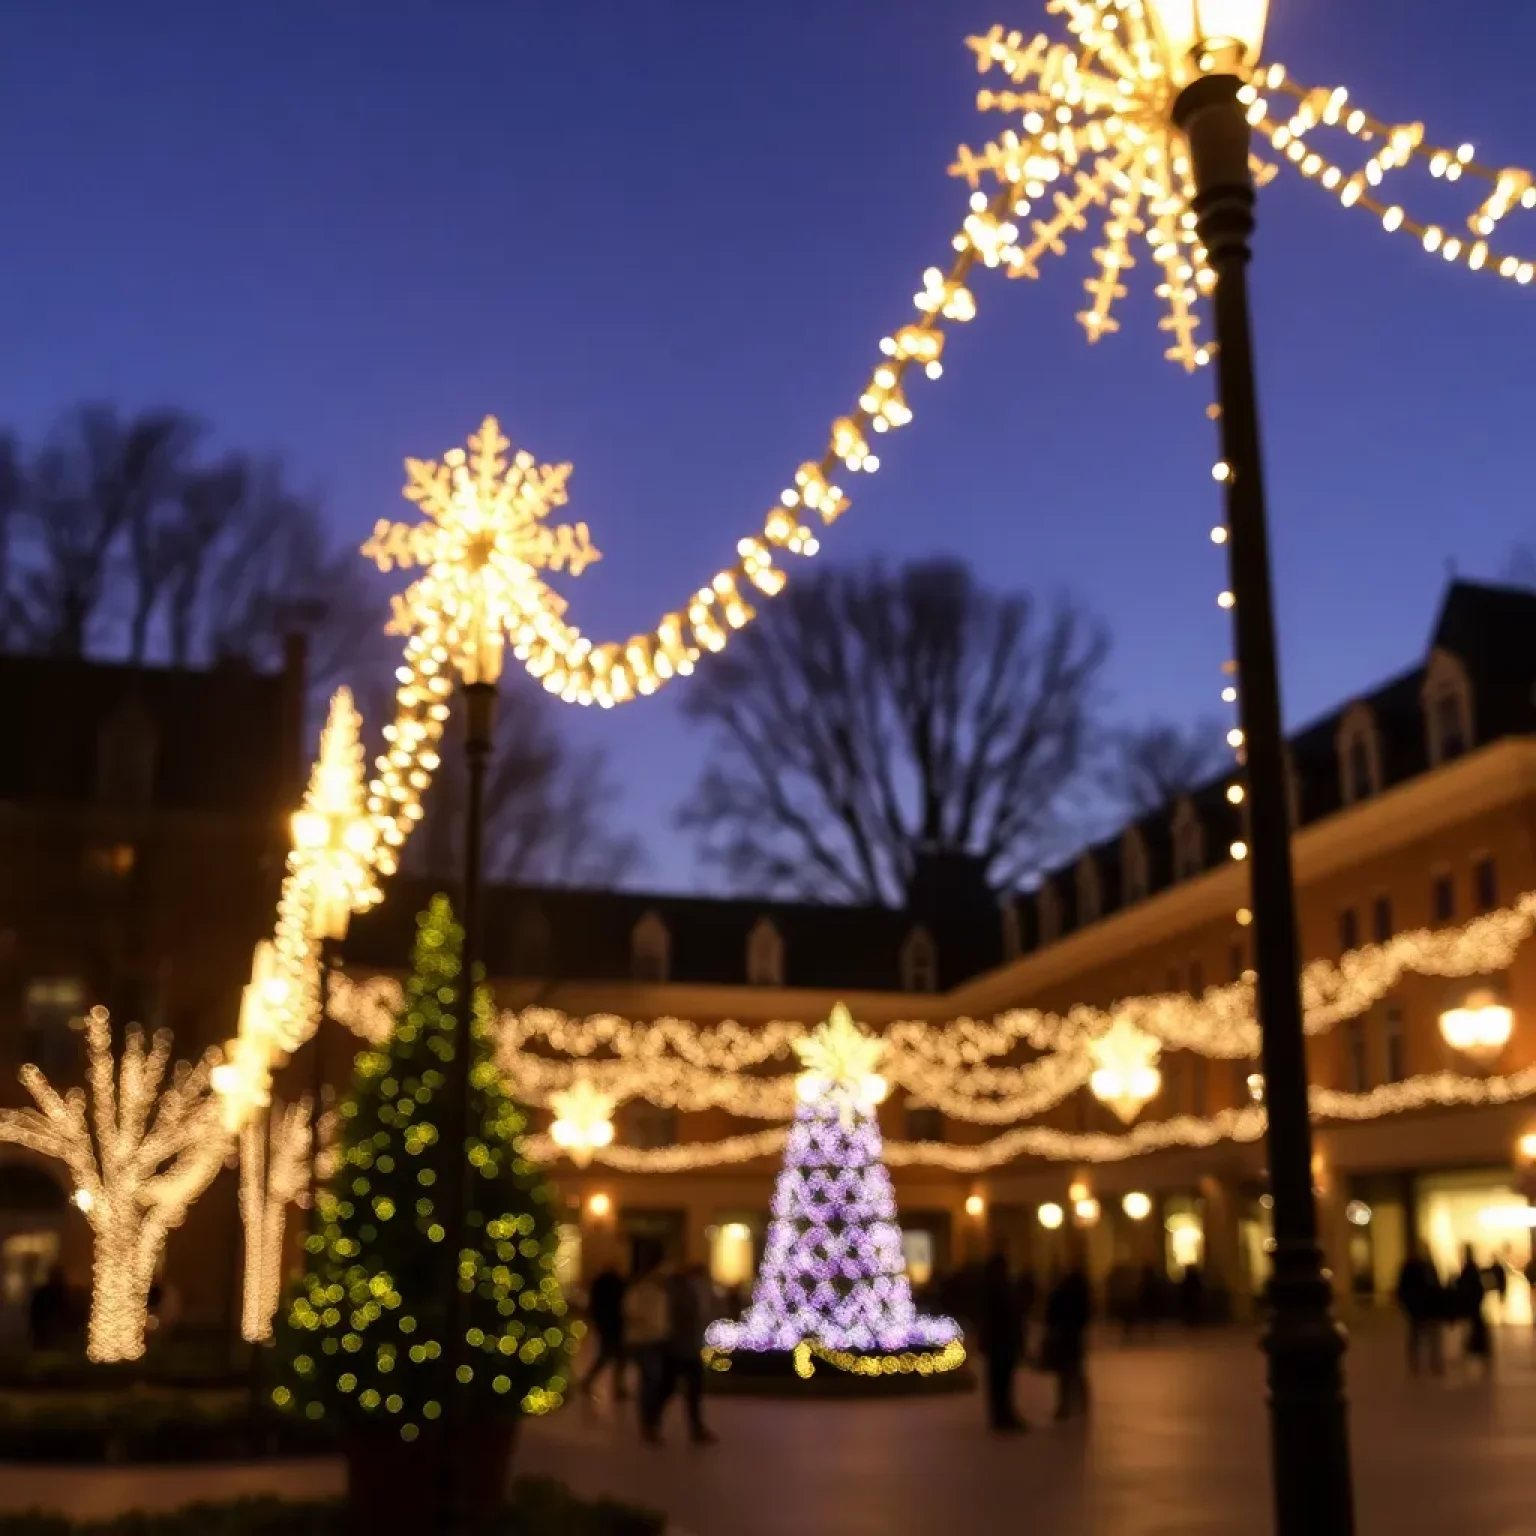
[(485, 540), (839, 1059), (1125, 1074), (583, 1120)]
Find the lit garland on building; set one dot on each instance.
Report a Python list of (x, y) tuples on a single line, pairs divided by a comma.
[(274, 1172), (139, 1156)]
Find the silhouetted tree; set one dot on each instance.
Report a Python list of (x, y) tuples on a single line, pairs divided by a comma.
[(868, 713), (1150, 766), (546, 804)]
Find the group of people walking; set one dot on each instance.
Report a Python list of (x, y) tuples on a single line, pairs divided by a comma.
[(1430, 1306), (654, 1321), (1004, 1309)]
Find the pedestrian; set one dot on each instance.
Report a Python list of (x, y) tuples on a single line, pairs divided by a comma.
[(1192, 1296), (1064, 1352), (605, 1311), (1028, 1295), (1421, 1297), (1149, 1298), (1498, 1285), (48, 1310), (1470, 1298), (690, 1309), (1000, 1331), (647, 1324)]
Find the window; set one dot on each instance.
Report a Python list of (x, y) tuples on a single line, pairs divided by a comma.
[(1089, 892), (1188, 842), (1357, 1061), (650, 949), (924, 1123), (125, 755), (1485, 883), (1133, 866), (1173, 1084), (108, 864), (1196, 979), (1237, 961), (1198, 1078), (1447, 708), (1048, 910), (1442, 897), (1174, 982), (1394, 1043), (765, 955), (53, 1013), (1382, 927), (649, 1126), (1349, 930), (919, 962), (1359, 748)]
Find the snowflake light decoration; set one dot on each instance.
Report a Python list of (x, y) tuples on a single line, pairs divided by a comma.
[(485, 541), (1098, 116)]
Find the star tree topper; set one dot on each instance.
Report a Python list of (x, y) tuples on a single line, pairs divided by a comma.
[(481, 549), (1125, 1074), (839, 1058)]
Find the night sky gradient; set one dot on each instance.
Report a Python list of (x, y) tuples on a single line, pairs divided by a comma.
[(661, 238)]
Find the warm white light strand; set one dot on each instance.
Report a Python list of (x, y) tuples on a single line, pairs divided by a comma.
[(274, 1174)]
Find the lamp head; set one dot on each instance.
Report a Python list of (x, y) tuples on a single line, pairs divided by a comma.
[(1209, 37)]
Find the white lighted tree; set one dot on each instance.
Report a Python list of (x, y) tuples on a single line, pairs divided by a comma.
[(274, 1174), (140, 1151)]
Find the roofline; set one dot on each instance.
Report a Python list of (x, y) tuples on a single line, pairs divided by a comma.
[(1489, 777)]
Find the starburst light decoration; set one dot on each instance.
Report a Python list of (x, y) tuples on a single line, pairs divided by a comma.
[(334, 836), (583, 1120), (839, 1062), (1125, 1074), (139, 1156)]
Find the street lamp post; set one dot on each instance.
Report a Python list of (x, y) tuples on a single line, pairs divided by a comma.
[(1209, 42), (480, 720)]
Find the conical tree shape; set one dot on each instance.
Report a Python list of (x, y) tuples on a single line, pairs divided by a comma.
[(833, 1274), (364, 1338)]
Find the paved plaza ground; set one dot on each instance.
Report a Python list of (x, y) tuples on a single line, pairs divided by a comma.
[(1176, 1447)]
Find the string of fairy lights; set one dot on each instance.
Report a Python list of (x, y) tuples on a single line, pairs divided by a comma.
[(583, 1068)]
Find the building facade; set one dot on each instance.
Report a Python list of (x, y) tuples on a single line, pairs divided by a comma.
[(143, 827), (1414, 808)]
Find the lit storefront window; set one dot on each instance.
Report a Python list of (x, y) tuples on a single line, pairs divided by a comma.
[(731, 1254), (1184, 1234)]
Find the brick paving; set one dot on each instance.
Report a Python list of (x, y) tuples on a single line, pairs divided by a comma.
[(1176, 1447)]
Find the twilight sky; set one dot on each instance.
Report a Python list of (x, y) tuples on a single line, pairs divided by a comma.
[(661, 238)]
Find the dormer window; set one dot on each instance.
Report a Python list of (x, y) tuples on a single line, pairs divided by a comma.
[(919, 962), (650, 949), (1188, 842), (1447, 709), (1048, 910), (1133, 866), (1359, 748), (765, 955), (1090, 894)]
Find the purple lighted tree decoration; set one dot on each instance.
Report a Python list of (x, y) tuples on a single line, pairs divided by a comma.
[(832, 1284)]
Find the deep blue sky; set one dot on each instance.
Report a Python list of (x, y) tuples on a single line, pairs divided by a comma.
[(660, 238)]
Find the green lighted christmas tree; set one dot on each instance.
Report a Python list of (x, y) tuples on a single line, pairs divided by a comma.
[(365, 1334)]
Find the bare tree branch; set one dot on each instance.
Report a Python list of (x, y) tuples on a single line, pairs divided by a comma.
[(868, 715), (1152, 765), (546, 817)]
